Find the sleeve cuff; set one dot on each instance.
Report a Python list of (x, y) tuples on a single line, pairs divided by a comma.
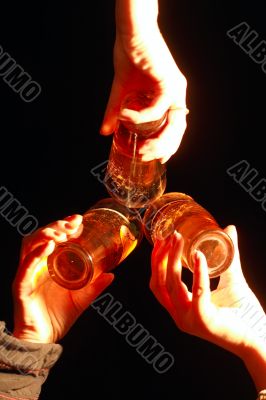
[(26, 357)]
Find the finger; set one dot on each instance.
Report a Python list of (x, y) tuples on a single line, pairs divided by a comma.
[(178, 291), (169, 140), (159, 105), (234, 273), (201, 293), (26, 275), (159, 258), (68, 225), (158, 266), (85, 296), (170, 137), (58, 231), (112, 110)]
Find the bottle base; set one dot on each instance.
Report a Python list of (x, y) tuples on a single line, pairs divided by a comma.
[(218, 249), (70, 266)]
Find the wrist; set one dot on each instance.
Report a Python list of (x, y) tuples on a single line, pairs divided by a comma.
[(32, 337), (254, 358), (26, 358)]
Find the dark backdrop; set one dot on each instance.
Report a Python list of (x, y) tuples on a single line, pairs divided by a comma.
[(49, 146)]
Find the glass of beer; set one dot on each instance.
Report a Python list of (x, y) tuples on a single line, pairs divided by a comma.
[(108, 234), (179, 212)]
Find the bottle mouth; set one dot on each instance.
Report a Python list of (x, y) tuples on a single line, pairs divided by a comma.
[(131, 216), (111, 204), (70, 266), (218, 249), (154, 212)]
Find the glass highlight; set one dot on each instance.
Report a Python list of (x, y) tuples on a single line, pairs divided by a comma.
[(108, 234), (180, 212), (131, 181)]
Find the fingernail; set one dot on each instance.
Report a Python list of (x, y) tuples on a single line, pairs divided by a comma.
[(73, 220), (71, 217), (196, 256), (69, 225), (105, 132), (60, 236)]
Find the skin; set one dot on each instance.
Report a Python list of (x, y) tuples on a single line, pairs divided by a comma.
[(138, 53), (44, 311), (229, 316)]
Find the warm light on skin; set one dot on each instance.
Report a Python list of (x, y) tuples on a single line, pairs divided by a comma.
[(44, 311), (143, 61), (229, 316), (131, 16), (39, 271), (40, 323)]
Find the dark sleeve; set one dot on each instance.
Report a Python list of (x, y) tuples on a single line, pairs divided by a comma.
[(24, 366)]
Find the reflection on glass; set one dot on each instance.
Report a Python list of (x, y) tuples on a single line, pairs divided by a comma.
[(108, 234), (180, 212)]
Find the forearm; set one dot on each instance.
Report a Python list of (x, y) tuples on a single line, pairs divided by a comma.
[(255, 362), (134, 17)]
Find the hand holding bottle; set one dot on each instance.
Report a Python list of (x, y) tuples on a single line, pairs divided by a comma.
[(176, 211), (45, 311), (230, 316), (143, 62)]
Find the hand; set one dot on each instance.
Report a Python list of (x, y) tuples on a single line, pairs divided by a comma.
[(142, 61), (45, 311), (230, 316)]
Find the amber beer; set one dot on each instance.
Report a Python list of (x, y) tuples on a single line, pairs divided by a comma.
[(131, 181), (108, 234), (180, 212)]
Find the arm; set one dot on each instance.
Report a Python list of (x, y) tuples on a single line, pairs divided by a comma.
[(138, 53), (230, 316), (43, 313), (255, 362), (131, 17)]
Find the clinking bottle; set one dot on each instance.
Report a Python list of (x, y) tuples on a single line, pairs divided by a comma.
[(131, 181), (180, 212), (108, 234)]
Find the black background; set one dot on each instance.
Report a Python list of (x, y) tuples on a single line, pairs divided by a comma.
[(49, 146)]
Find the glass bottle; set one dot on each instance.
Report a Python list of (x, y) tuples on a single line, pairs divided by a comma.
[(180, 212), (131, 181), (108, 234)]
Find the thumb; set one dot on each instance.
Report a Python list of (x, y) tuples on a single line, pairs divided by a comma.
[(234, 273)]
